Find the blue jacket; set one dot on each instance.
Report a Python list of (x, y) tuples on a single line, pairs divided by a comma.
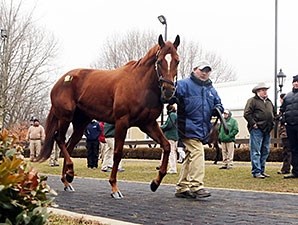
[(196, 101), (92, 131)]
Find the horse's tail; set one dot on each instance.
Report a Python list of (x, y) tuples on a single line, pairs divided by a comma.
[(50, 130)]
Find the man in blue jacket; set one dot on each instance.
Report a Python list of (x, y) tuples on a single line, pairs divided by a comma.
[(197, 102), (92, 133)]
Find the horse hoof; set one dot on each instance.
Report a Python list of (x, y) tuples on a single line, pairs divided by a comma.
[(154, 186), (69, 178), (69, 188), (117, 195)]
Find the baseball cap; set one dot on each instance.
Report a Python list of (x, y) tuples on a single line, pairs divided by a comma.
[(202, 64)]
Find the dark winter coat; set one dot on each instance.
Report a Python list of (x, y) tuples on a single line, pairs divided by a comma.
[(260, 112), (170, 127), (109, 130), (289, 108), (197, 100), (92, 131)]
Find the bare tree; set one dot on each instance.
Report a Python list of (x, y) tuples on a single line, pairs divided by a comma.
[(192, 52), (121, 49), (133, 45), (25, 65)]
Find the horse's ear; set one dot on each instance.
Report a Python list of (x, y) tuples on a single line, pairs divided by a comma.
[(177, 41), (161, 41)]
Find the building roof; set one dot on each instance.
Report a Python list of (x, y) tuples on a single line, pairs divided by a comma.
[(235, 94)]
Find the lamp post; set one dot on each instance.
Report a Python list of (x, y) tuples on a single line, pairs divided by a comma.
[(279, 79), (275, 68), (3, 35), (275, 61), (163, 21)]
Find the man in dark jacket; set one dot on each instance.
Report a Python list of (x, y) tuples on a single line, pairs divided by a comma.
[(92, 133), (286, 151), (259, 115), (289, 108)]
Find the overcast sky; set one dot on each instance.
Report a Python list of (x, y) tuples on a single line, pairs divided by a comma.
[(239, 31)]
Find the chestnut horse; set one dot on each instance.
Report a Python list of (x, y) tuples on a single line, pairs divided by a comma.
[(128, 96)]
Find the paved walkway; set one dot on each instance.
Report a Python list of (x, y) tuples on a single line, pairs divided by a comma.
[(141, 206)]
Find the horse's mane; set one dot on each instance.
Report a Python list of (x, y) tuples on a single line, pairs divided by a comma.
[(151, 54)]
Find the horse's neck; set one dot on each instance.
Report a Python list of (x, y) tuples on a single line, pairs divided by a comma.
[(150, 57), (146, 68)]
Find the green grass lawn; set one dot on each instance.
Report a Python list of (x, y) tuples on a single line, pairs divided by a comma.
[(144, 170)]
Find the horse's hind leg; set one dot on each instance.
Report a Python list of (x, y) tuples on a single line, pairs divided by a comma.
[(68, 168), (60, 139)]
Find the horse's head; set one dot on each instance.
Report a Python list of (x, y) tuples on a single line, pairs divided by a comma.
[(166, 66)]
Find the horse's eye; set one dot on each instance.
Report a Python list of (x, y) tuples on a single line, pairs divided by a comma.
[(159, 62)]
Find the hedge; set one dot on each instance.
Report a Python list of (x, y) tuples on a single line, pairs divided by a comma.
[(240, 154)]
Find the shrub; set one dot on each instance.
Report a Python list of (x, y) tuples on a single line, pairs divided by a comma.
[(23, 193)]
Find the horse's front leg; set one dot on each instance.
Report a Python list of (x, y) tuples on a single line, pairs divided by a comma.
[(154, 131), (116, 194), (120, 134)]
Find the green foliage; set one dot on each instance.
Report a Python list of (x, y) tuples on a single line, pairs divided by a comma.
[(23, 193)]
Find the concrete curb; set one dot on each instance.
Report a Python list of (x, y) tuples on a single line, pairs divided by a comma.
[(102, 220)]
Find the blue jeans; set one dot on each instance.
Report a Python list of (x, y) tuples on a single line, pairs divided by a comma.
[(259, 143)]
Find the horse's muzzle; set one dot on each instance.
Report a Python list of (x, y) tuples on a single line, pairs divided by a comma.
[(167, 93)]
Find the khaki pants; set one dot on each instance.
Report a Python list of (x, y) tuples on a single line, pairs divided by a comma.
[(108, 154), (193, 168), (55, 155), (227, 153), (35, 147), (172, 158)]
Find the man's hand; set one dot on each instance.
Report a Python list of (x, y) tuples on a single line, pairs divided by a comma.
[(215, 112)]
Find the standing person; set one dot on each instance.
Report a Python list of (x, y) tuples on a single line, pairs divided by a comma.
[(35, 136), (286, 151), (181, 152), (108, 152), (102, 141), (170, 131), (259, 115), (289, 108), (92, 133), (197, 101), (54, 158), (228, 140)]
